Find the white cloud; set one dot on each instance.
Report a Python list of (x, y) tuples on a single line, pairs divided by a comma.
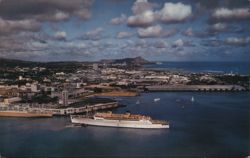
[(179, 43), (83, 13), (152, 31), (95, 31), (144, 19), (189, 32), (225, 13), (218, 27), (171, 12), (60, 35), (155, 31), (37, 45), (197, 33), (124, 34), (75, 44), (143, 13), (119, 20), (141, 6), (238, 41), (10, 26), (93, 34), (60, 16), (175, 12), (46, 10), (160, 44)]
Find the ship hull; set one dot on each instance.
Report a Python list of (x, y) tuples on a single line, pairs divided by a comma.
[(118, 123), (22, 114)]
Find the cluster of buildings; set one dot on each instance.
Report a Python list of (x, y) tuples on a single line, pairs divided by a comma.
[(62, 88)]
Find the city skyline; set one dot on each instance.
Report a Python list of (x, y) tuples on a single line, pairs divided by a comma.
[(86, 30)]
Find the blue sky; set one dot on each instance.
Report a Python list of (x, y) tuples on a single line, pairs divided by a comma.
[(87, 30)]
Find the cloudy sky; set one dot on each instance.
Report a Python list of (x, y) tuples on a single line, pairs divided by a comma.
[(177, 30)]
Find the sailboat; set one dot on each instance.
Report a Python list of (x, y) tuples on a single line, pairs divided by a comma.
[(192, 99), (158, 63), (157, 99)]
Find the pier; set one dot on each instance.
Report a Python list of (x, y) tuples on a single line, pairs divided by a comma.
[(60, 111), (206, 88), (82, 109)]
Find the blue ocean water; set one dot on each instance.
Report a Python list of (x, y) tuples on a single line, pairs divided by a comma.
[(223, 67), (214, 125)]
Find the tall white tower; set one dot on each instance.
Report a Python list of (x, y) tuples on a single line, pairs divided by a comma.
[(95, 66)]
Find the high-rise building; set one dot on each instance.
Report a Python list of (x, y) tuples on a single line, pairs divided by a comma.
[(65, 96), (95, 66), (33, 87), (78, 85)]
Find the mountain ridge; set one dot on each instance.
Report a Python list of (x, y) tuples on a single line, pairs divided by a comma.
[(17, 62)]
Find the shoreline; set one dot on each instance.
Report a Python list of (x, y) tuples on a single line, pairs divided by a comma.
[(116, 94)]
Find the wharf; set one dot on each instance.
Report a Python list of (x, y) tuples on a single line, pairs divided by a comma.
[(77, 109), (209, 88), (118, 94), (81, 109)]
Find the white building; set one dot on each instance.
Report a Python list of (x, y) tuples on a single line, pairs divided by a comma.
[(33, 87), (65, 97), (8, 101), (95, 66)]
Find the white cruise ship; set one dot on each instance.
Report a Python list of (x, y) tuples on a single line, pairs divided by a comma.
[(108, 119)]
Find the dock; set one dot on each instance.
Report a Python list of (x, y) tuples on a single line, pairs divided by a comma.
[(62, 111), (82, 109), (206, 88)]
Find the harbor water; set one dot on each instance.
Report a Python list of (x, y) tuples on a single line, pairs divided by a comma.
[(209, 125)]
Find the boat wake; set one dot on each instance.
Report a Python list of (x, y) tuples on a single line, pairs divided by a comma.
[(73, 126)]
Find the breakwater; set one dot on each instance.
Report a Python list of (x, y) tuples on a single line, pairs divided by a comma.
[(209, 88)]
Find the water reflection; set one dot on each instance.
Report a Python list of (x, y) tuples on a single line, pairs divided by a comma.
[(22, 124), (129, 132)]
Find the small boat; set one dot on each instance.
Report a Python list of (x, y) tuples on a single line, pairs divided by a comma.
[(73, 125), (157, 99), (137, 102), (192, 99)]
